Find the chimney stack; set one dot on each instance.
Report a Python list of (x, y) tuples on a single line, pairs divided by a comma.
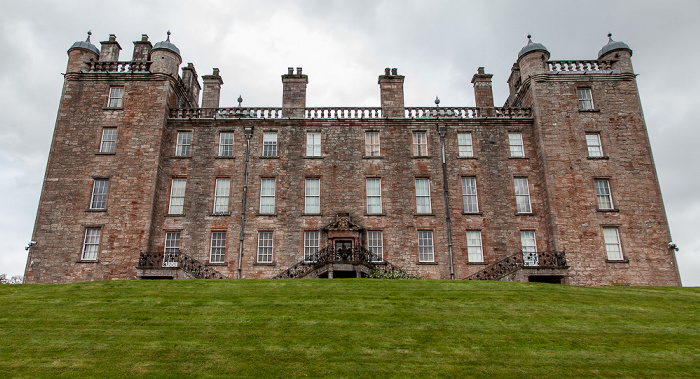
[(142, 49), (110, 50), (294, 93), (212, 89), (483, 92), (189, 78), (391, 93)]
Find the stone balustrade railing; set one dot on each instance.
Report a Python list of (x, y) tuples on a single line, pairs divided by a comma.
[(579, 66), (343, 112), (119, 66)]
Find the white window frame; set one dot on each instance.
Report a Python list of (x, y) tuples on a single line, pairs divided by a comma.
[(312, 196), (217, 252), (375, 244), (226, 141), (98, 200), (116, 97), (613, 248), (585, 98), (470, 199), (522, 195), (475, 252), (265, 246), (267, 195), (420, 143), (184, 144), (465, 145), (178, 187), (423, 202), (528, 241), (313, 144), (91, 244), (372, 144), (426, 246), (171, 249), (515, 142), (373, 190), (595, 147), (108, 141), (222, 190), (603, 194), (311, 244), (269, 144)]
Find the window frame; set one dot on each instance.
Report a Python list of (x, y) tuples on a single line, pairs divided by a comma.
[(475, 252), (595, 148), (226, 148), (516, 144), (221, 196), (372, 149), (467, 195), (264, 251), (420, 205), (266, 198), (417, 143), (585, 102), (375, 244), (115, 97), (603, 194), (426, 253), (466, 149), (373, 199), (217, 252), (313, 147), (171, 248), (521, 197), (173, 206), (312, 242), (183, 144), (90, 250), (611, 254), (311, 198), (111, 143), (98, 198), (527, 248), (270, 146)]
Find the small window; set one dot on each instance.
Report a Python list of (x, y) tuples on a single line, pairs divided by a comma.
[(172, 249), (115, 97), (184, 140), (91, 244), (265, 247), (425, 246), (420, 144), (595, 149), (612, 244), (375, 244), (423, 195), (474, 251), (585, 99), (269, 144), (221, 194), (372, 146), (312, 203), (522, 195), (527, 241), (464, 143), (99, 194), (267, 196), (226, 144), (217, 253), (311, 243), (313, 144), (603, 195), (515, 140), (469, 197), (374, 195), (109, 140), (177, 196)]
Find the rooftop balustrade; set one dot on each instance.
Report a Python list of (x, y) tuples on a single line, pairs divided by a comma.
[(579, 66), (131, 66)]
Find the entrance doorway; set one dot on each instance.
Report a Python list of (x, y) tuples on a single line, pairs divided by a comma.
[(343, 250)]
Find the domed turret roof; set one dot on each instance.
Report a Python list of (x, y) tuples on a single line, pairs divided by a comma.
[(167, 45), (531, 46), (86, 45), (612, 45)]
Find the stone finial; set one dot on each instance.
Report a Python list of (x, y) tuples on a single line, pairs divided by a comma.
[(298, 70), (394, 71), (89, 33), (437, 101)]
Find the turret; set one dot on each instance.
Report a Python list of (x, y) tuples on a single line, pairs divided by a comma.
[(532, 59), (391, 93), (166, 58), (80, 54), (110, 50), (294, 93), (619, 53)]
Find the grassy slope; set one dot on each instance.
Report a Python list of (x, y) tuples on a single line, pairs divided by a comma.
[(347, 328)]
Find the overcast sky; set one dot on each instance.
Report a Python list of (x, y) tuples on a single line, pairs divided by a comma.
[(343, 46)]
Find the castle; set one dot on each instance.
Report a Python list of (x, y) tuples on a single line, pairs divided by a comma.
[(558, 185)]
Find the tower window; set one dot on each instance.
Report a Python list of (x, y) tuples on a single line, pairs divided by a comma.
[(515, 141), (603, 194), (91, 244), (595, 148), (115, 97), (184, 140), (99, 194), (522, 195), (612, 244), (109, 140), (585, 99)]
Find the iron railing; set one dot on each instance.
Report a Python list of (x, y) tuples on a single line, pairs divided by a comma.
[(517, 261), (329, 254), (175, 259)]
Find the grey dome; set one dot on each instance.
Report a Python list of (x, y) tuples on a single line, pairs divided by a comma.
[(531, 46), (166, 45), (613, 45), (86, 45)]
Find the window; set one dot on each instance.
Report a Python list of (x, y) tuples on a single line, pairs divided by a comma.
[(226, 144), (425, 246), (595, 149), (184, 139), (109, 140), (91, 244), (221, 192), (527, 241), (172, 249), (264, 247), (375, 244), (267, 195), (585, 99), (372, 147), (177, 196), (423, 195), (515, 140), (474, 251), (313, 196), (217, 254), (374, 195), (612, 244), (269, 144), (464, 143), (99, 194), (313, 144), (311, 246), (469, 198), (420, 144), (602, 193), (522, 195), (115, 97)]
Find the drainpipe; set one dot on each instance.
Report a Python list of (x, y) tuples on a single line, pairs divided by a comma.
[(442, 130), (248, 133)]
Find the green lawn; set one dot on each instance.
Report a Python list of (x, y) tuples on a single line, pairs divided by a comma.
[(347, 328)]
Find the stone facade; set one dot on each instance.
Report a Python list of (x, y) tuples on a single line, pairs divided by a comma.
[(349, 161)]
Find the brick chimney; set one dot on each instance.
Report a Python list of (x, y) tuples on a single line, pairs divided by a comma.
[(212, 89), (483, 92), (391, 93), (294, 93), (142, 49), (189, 79), (110, 49)]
